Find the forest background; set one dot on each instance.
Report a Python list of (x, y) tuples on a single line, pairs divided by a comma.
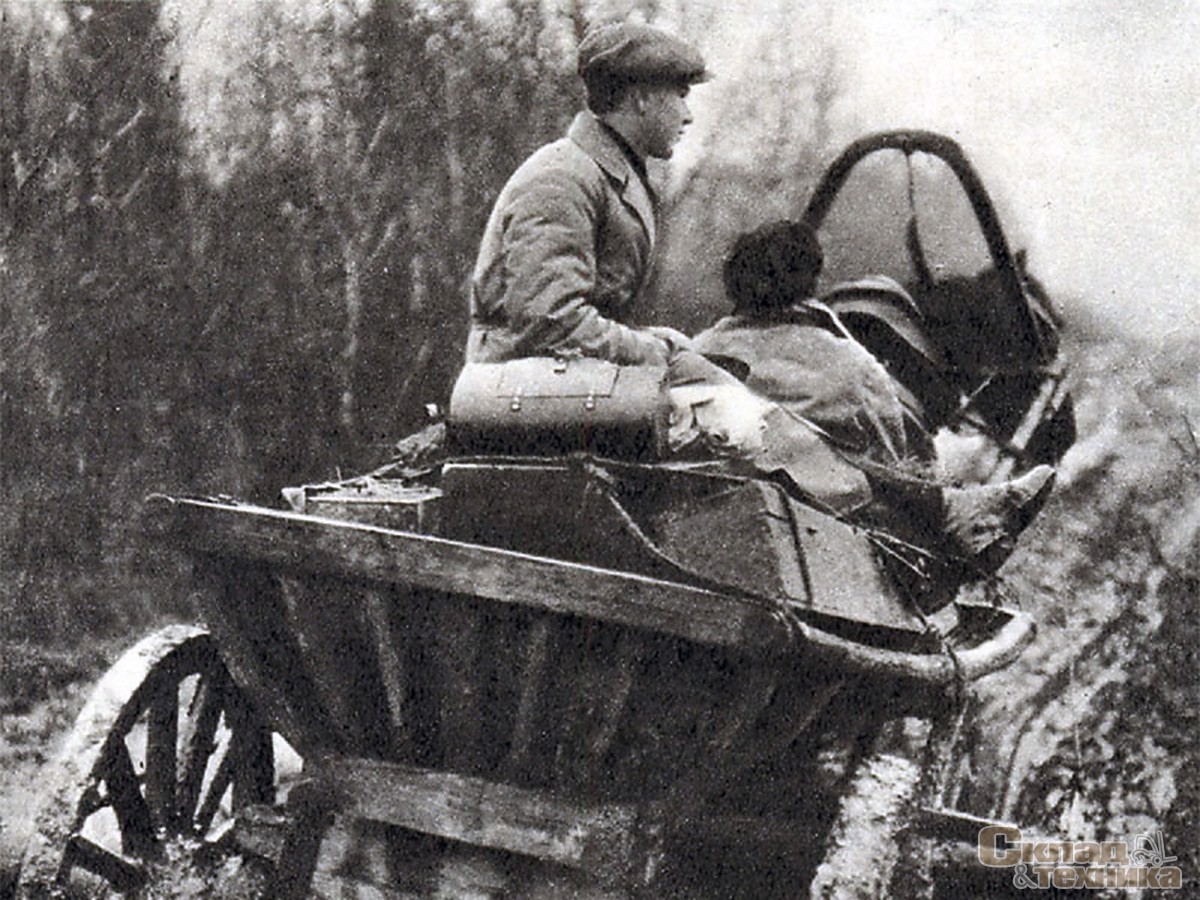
[(234, 240)]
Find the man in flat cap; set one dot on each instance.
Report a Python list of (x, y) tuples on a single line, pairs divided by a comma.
[(568, 247)]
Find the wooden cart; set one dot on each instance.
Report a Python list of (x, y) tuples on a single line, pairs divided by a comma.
[(496, 721), (565, 676)]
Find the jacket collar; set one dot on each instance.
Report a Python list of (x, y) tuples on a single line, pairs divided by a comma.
[(596, 142), (808, 311)]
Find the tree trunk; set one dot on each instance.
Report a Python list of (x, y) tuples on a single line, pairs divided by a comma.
[(353, 298)]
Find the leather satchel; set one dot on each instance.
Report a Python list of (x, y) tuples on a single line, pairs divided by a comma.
[(550, 406)]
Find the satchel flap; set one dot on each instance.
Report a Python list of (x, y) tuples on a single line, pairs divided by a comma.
[(547, 377)]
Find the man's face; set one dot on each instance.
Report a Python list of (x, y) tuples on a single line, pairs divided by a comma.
[(664, 115)]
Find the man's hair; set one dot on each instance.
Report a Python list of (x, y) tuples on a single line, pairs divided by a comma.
[(774, 265), (606, 92)]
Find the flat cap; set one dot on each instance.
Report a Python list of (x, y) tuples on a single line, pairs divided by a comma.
[(639, 53)]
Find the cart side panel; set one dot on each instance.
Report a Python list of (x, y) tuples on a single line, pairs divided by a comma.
[(586, 708), (243, 608), (608, 686)]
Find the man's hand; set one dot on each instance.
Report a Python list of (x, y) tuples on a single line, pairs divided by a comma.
[(676, 340)]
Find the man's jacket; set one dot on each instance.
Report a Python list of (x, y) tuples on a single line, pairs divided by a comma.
[(798, 358), (565, 255)]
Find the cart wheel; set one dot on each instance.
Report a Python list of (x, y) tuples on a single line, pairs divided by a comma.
[(165, 751)]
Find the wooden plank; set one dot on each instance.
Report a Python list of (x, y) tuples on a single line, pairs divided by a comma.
[(594, 692), (513, 820), (457, 634), (328, 885), (261, 830), (799, 703), (953, 825), (532, 686), (244, 614), (761, 725), (470, 873), (627, 661), (501, 664), (327, 653), (312, 812), (360, 855), (393, 673), (754, 690), (351, 862), (597, 838), (677, 696), (362, 551), (417, 610), (569, 701)]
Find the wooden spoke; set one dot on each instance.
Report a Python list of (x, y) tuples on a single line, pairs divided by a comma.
[(123, 874), (93, 800), (221, 781), (130, 807), (162, 736), (198, 746)]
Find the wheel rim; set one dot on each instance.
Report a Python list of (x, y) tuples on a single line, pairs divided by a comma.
[(164, 753)]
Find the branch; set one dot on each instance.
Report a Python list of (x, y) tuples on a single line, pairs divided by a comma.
[(33, 171), (1192, 448), (122, 131), (373, 144), (385, 241), (133, 189)]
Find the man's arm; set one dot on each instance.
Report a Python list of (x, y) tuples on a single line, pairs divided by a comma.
[(550, 274)]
